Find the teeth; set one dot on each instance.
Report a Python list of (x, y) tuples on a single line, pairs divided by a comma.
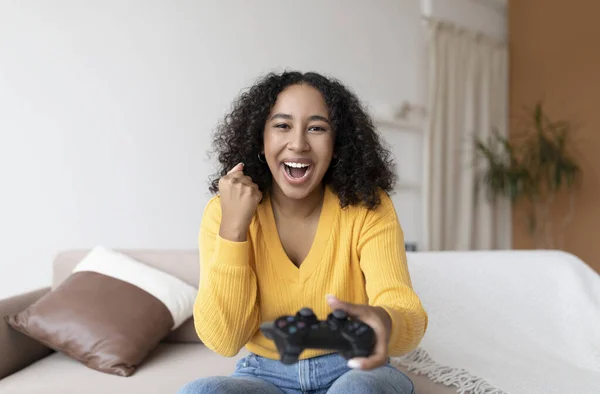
[(296, 165)]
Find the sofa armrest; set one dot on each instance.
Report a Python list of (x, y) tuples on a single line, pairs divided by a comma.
[(17, 349)]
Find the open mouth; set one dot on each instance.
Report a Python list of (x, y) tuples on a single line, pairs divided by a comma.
[(296, 170)]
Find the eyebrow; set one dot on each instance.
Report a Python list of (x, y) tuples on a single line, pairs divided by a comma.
[(290, 117)]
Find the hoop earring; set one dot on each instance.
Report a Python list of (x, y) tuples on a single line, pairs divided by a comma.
[(261, 160), (337, 163)]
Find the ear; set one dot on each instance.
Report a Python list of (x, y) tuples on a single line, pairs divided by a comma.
[(335, 161), (261, 157)]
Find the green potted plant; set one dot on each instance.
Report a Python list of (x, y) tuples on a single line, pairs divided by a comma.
[(531, 168)]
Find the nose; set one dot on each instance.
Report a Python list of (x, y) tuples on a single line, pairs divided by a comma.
[(298, 141)]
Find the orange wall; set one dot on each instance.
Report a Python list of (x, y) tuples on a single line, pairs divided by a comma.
[(555, 56)]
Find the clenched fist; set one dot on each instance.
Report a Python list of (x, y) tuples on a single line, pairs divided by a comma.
[(239, 199)]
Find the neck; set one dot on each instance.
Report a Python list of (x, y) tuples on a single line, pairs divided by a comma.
[(292, 208)]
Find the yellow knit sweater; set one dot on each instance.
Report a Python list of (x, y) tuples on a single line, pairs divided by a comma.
[(357, 255)]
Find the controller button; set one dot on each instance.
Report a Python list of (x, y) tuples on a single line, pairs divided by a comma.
[(290, 318), (281, 323), (301, 324), (292, 330)]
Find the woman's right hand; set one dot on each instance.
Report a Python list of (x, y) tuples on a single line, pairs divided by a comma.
[(239, 198)]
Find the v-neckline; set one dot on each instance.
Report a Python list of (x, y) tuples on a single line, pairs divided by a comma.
[(319, 242)]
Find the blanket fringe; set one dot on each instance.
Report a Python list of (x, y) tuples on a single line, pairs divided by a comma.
[(418, 361)]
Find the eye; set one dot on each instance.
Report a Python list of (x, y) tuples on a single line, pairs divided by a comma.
[(317, 128), (282, 126)]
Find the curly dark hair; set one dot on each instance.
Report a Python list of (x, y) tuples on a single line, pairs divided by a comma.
[(365, 164)]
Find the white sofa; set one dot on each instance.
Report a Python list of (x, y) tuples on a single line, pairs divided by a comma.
[(27, 366)]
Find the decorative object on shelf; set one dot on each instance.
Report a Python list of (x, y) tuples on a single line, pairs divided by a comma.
[(532, 168), (407, 108), (399, 113), (405, 117)]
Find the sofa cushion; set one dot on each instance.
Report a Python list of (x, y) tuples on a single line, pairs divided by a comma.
[(17, 350), (185, 334), (110, 313), (166, 370)]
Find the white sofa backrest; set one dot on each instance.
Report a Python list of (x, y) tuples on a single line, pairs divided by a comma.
[(183, 264)]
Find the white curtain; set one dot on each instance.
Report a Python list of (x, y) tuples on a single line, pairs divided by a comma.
[(467, 97)]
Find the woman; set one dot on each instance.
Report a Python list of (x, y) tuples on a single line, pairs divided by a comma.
[(303, 219)]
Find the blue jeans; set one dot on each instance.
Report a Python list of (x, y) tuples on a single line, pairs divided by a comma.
[(325, 374)]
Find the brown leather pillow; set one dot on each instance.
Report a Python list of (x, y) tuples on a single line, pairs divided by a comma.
[(110, 313)]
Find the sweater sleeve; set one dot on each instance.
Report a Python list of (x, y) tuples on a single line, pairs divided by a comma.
[(226, 312), (388, 284)]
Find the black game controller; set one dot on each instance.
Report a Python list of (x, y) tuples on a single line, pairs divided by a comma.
[(294, 334)]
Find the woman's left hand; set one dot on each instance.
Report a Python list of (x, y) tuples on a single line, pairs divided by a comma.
[(379, 320)]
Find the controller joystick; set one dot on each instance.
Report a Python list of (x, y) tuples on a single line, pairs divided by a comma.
[(339, 314), (307, 315), (293, 334), (306, 312)]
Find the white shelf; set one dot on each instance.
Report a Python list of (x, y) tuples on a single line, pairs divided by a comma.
[(405, 186), (397, 125)]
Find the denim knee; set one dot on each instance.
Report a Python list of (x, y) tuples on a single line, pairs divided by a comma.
[(383, 380), (211, 385)]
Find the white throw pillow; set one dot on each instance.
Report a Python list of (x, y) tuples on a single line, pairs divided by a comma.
[(174, 293)]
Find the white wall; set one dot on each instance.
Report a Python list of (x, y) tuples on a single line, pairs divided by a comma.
[(106, 109), (486, 16)]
